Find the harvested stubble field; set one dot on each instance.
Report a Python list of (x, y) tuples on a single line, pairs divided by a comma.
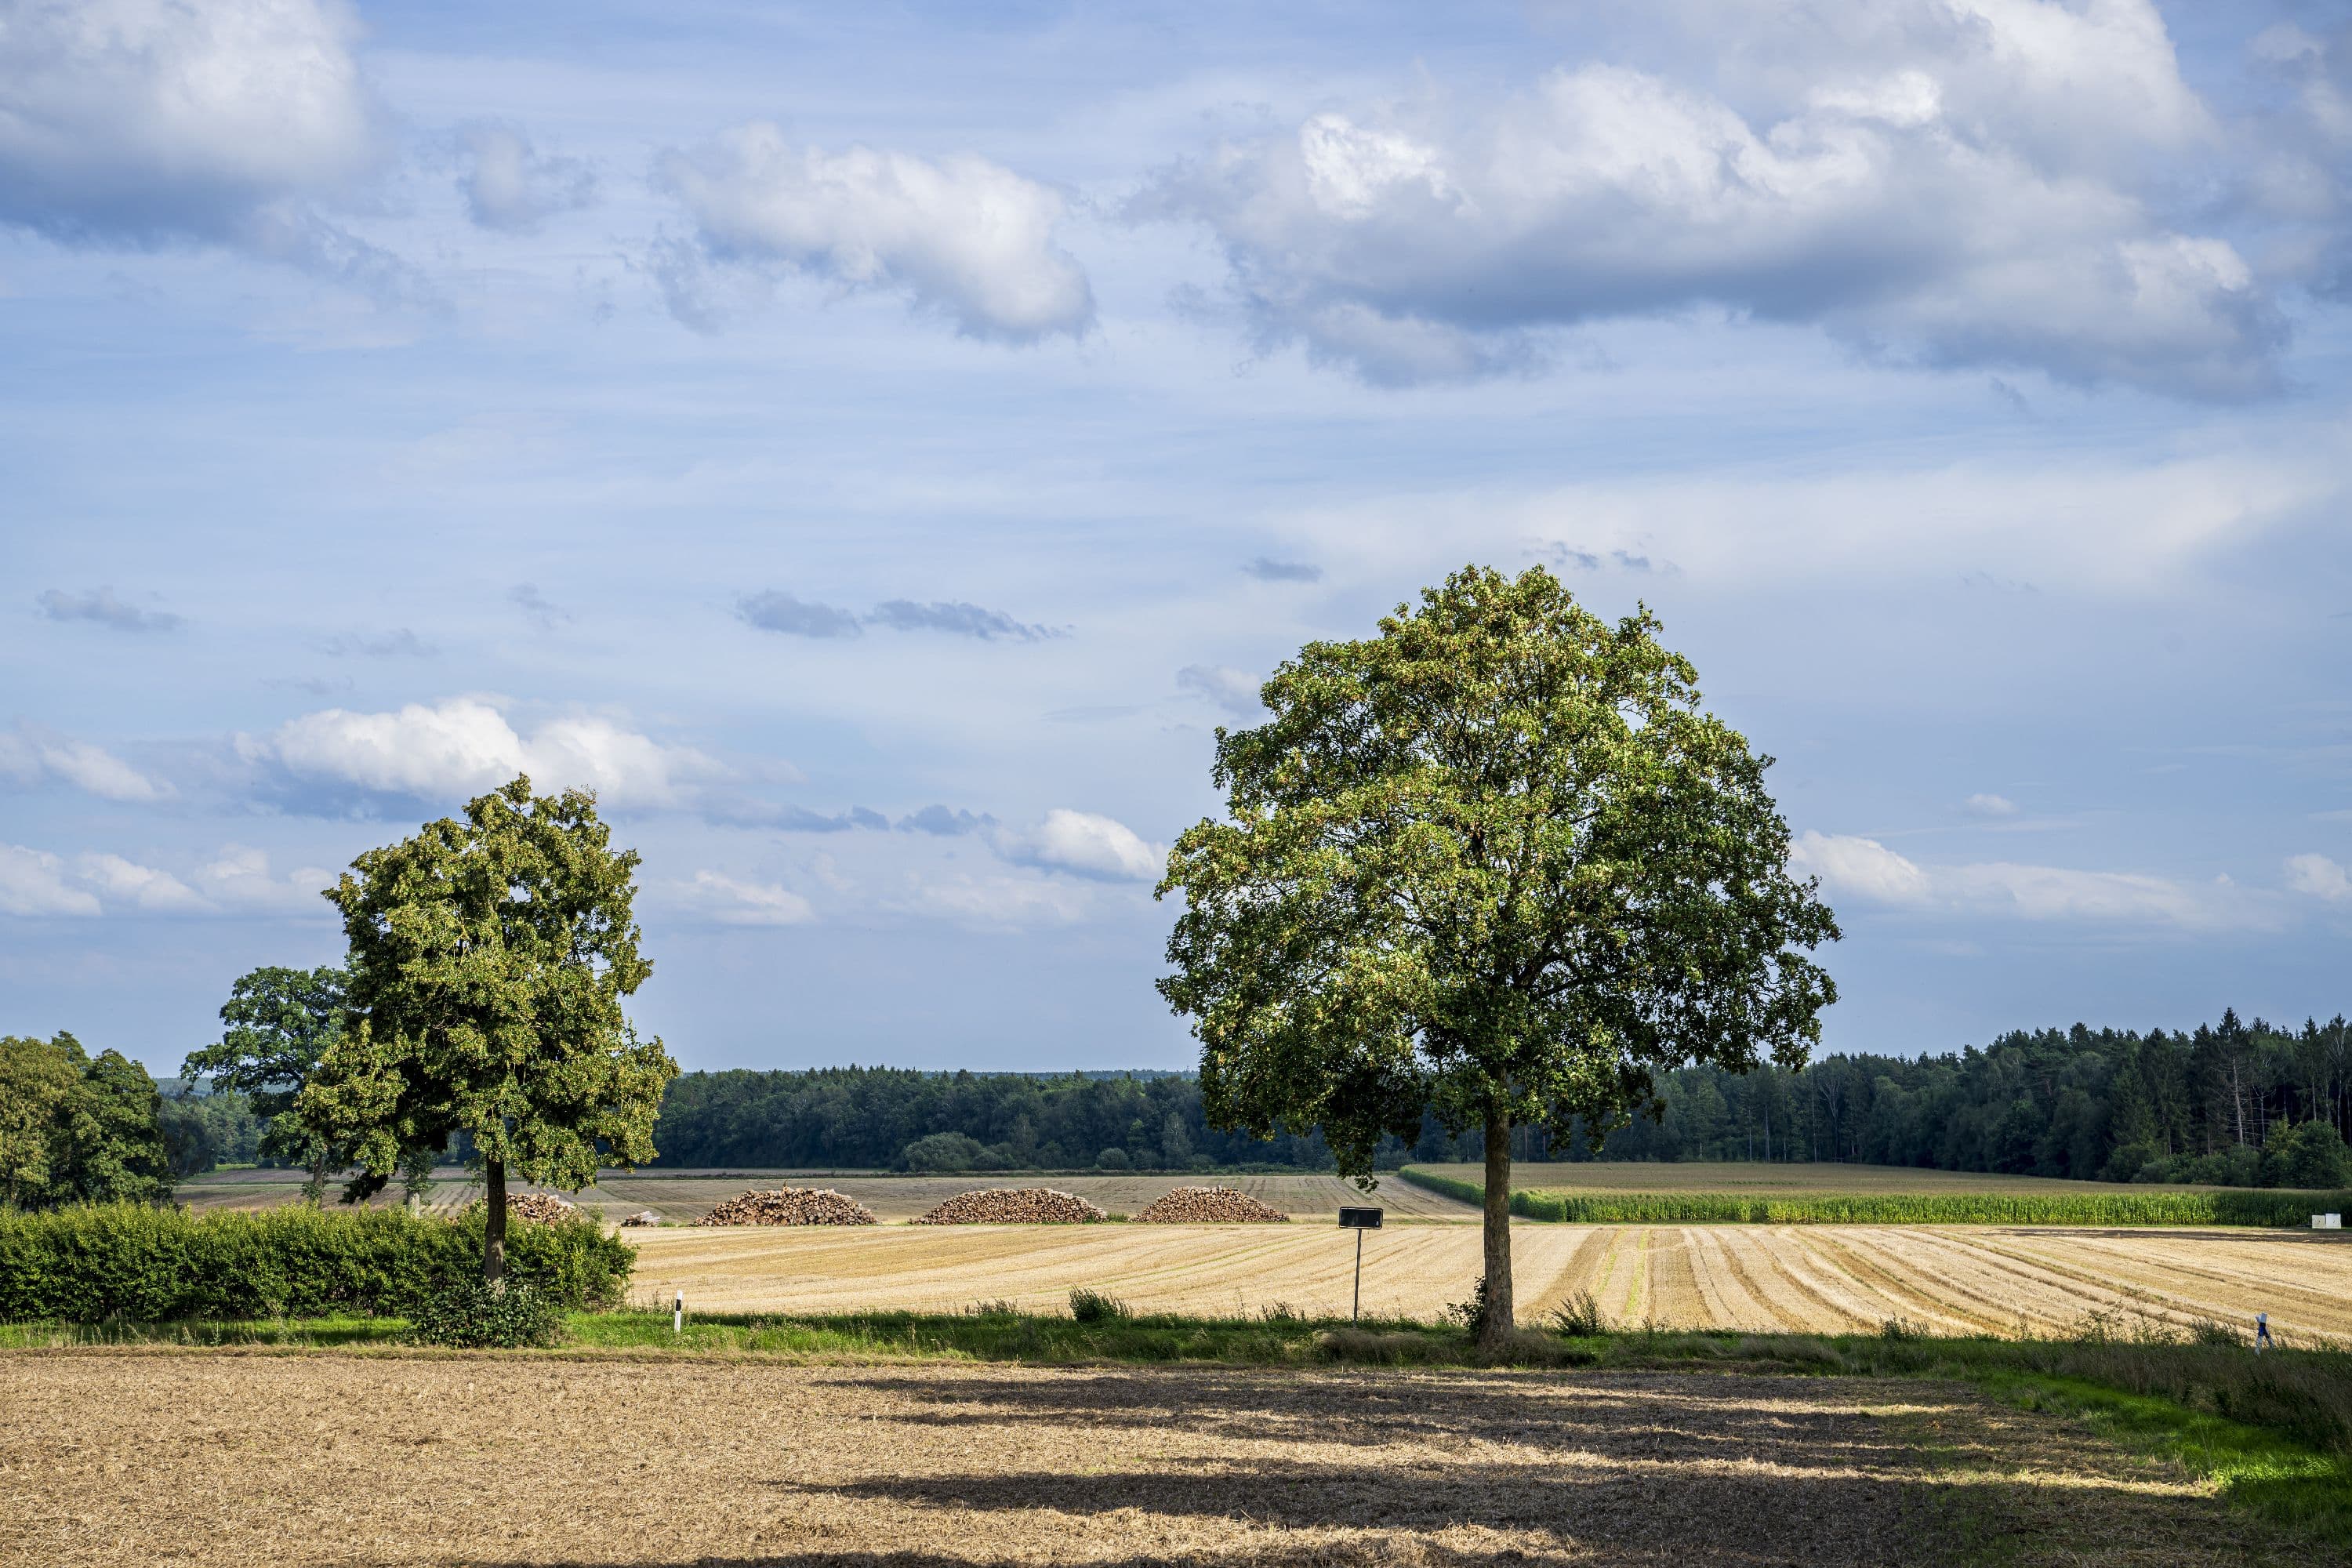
[(1759, 1178), (893, 1198), (1810, 1278), (391, 1460)]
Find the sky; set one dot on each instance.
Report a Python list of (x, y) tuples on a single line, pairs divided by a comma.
[(877, 446)]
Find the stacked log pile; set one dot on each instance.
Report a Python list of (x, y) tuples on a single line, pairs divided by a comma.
[(1014, 1205), (1210, 1205), (544, 1207), (791, 1205)]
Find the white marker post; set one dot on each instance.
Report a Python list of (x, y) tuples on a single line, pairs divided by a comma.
[(677, 1314)]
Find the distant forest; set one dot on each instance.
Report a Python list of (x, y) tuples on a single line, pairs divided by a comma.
[(2232, 1103)]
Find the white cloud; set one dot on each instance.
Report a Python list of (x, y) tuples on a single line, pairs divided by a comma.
[(1990, 805), (999, 902), (141, 119), (1864, 868), (239, 876), (2319, 877), (464, 746), (121, 881), (1235, 690), (960, 235), (732, 901), (33, 883), (30, 756), (1087, 844), (510, 185), (1964, 187)]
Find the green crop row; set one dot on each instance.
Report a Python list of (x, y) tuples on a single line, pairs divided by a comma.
[(130, 1261), (2123, 1206)]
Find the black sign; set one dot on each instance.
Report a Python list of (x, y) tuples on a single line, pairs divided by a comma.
[(1359, 1219)]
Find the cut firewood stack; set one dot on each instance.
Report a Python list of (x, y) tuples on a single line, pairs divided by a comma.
[(1014, 1205), (791, 1205), (544, 1207), (1210, 1205)]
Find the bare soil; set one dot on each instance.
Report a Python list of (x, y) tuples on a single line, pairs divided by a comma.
[(204, 1459)]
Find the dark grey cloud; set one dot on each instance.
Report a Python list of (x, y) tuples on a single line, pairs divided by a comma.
[(526, 597), (774, 612), (945, 822), (100, 606), (956, 619), (512, 187), (398, 643), (1269, 571)]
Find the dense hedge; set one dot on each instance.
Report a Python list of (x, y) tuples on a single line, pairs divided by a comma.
[(159, 1265), (2127, 1205)]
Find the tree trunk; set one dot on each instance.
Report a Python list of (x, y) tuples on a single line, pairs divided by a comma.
[(494, 1237), (315, 1188), (1495, 1328)]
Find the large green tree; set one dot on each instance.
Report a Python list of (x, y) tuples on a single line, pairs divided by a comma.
[(488, 959), (37, 1080), (1497, 861), (77, 1129), (275, 1026)]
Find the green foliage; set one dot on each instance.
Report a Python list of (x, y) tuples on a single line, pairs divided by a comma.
[(1580, 1316), (488, 959), (129, 1261), (1112, 1160), (205, 1128), (948, 1152), (1496, 860), (2304, 1154), (77, 1129), (471, 1315), (275, 1026), (2130, 1205), (1093, 1306)]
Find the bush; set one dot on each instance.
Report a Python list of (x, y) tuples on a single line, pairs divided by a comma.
[(1094, 1307), (948, 1152), (1112, 1160), (1580, 1316), (2310, 1155), (473, 1316), (148, 1265)]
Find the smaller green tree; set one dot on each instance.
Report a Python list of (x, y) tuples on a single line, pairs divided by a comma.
[(276, 1025), (37, 1080), (2308, 1154), (489, 960), (106, 1144)]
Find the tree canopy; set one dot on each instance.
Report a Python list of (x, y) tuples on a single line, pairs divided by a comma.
[(276, 1025), (77, 1129), (489, 960), (1496, 862)]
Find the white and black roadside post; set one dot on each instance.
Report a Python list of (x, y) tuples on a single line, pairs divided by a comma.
[(677, 1314), (1359, 1221)]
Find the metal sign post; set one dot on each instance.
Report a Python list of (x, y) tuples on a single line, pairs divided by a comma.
[(677, 1314), (1359, 1221)]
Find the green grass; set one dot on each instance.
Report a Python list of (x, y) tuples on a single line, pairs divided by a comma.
[(2122, 1205)]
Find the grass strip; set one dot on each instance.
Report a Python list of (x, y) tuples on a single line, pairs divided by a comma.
[(2132, 1205)]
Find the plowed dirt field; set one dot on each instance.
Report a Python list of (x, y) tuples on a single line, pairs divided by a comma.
[(200, 1459), (1950, 1279)]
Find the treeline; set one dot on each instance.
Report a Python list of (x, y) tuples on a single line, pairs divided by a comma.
[(2231, 1104)]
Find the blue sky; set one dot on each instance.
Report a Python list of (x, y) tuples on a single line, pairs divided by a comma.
[(876, 445)]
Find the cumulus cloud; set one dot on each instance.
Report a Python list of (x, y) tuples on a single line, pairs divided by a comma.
[(1084, 845), (121, 881), (240, 877), (1864, 868), (771, 611), (1989, 805), (33, 883), (998, 903), (959, 236), (731, 901), (1981, 185), (31, 756), (2319, 877), (511, 185), (145, 120), (100, 606), (1267, 569), (464, 746), (1235, 690)]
